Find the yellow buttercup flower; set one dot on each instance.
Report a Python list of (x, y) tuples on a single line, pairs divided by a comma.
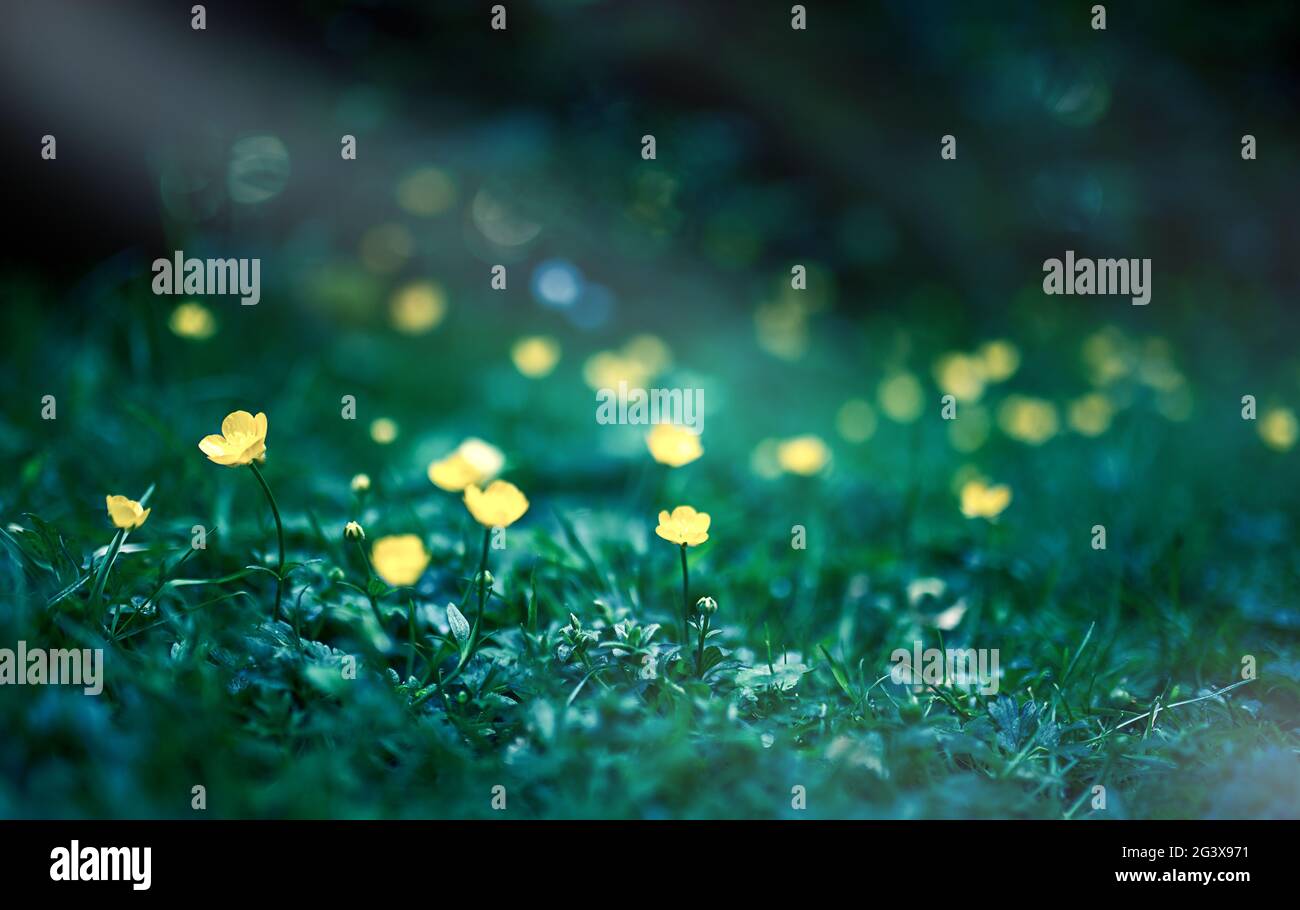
[(535, 356), (499, 506), (383, 430), (979, 500), (960, 375), (1091, 414), (399, 559), (1000, 360), (361, 483), (804, 455), (673, 445), (242, 440), (901, 397), (684, 526), (418, 307), (473, 462), (192, 320), (126, 514)]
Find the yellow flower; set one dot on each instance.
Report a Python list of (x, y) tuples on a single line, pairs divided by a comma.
[(418, 307), (1030, 420), (804, 455), (673, 445), (126, 514), (361, 483), (1277, 427), (473, 462), (960, 375), (979, 500), (1091, 414), (192, 320), (383, 430), (400, 559), (242, 440), (606, 369), (1000, 360), (901, 397), (684, 526), (499, 506), (535, 356)]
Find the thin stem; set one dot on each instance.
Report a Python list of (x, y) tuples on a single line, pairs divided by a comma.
[(686, 601), (279, 531), (410, 630), (468, 651), (699, 654), (370, 575), (109, 558)]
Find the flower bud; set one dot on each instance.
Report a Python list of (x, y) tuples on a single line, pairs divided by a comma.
[(354, 531), (706, 605), (361, 483), (485, 579)]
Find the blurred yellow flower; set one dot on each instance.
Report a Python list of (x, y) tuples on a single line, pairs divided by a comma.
[(418, 307), (684, 526), (1091, 414), (1109, 355), (856, 420), (383, 430), (535, 356), (1029, 420), (606, 369), (473, 462), (901, 397), (126, 514), (673, 445), (805, 455), (979, 500), (499, 506), (400, 559), (960, 375), (242, 440), (1277, 427), (1000, 360), (361, 483), (192, 320)]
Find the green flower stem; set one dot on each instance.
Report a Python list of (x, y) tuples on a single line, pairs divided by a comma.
[(109, 558), (370, 576), (686, 602), (410, 630), (699, 654), (279, 531), (468, 651)]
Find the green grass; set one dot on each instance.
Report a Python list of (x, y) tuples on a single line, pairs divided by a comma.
[(203, 689)]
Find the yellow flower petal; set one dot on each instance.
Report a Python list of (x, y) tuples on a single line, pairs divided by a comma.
[(673, 445), (499, 506), (399, 559), (684, 526), (125, 513)]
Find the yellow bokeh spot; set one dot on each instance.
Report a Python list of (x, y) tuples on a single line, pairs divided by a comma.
[(960, 375), (1000, 359), (804, 455), (782, 328), (649, 352), (1091, 414), (1029, 420), (901, 397), (1277, 427), (383, 430), (606, 369), (856, 420), (535, 356), (192, 320), (418, 307), (673, 445)]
